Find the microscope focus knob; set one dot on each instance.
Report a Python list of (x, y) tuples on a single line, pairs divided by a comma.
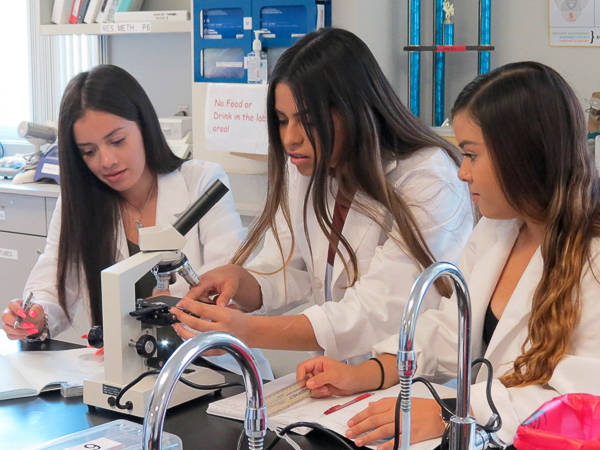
[(95, 336), (145, 346)]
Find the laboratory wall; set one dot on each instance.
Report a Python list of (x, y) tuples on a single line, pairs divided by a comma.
[(519, 32)]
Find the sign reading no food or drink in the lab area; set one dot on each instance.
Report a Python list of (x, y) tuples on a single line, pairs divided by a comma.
[(236, 119)]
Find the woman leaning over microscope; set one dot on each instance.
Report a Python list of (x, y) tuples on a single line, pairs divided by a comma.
[(532, 264), (361, 197), (117, 174)]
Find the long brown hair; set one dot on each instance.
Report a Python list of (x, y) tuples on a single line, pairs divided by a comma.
[(90, 211), (332, 70), (535, 132)]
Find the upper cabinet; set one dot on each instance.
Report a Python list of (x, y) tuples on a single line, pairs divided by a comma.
[(155, 26)]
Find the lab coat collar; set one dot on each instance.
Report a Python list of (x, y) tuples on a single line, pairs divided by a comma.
[(172, 200), (173, 197)]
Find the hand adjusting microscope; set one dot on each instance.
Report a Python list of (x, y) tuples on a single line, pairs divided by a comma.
[(130, 336)]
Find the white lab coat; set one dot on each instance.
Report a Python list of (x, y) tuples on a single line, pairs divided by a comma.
[(436, 337), (360, 316)]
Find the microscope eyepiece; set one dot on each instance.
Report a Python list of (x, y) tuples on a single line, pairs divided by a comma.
[(194, 213)]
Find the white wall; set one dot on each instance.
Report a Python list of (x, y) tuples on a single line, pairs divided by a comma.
[(519, 32), (162, 65)]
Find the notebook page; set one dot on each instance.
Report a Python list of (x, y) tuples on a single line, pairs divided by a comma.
[(235, 407), (12, 383), (44, 369), (312, 409), (337, 421)]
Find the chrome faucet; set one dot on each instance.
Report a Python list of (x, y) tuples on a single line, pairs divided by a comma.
[(463, 433), (255, 423)]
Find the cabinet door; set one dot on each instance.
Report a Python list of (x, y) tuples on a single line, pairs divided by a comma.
[(18, 255), (23, 214)]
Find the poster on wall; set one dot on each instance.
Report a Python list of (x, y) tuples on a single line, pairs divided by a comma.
[(236, 118), (574, 23)]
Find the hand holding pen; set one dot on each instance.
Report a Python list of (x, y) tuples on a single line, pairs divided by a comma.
[(24, 307), (22, 318)]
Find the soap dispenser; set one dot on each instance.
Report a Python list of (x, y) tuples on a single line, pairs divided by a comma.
[(256, 61)]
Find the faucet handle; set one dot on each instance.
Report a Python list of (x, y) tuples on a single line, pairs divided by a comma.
[(488, 439), (496, 442)]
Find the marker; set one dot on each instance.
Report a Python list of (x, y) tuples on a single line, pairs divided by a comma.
[(26, 305), (351, 402)]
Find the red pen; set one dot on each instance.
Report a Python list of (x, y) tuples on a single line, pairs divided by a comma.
[(351, 402)]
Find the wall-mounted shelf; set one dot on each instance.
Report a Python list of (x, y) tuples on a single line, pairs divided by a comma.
[(157, 26), (95, 28)]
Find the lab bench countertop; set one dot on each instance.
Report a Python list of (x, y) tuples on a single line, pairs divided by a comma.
[(30, 421), (34, 189)]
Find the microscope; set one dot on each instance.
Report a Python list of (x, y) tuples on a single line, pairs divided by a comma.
[(22, 168), (129, 336)]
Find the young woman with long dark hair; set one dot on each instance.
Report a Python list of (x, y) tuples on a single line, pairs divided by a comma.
[(361, 197), (532, 264), (117, 174)]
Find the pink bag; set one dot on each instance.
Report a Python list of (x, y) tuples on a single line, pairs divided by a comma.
[(568, 422)]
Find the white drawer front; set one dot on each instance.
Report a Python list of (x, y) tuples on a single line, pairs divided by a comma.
[(18, 255), (23, 214)]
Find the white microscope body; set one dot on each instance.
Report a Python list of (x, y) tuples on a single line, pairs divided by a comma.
[(122, 364)]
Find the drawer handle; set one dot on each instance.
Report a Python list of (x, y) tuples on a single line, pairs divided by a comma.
[(39, 252)]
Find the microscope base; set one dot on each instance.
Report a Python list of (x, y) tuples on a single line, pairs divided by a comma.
[(97, 391)]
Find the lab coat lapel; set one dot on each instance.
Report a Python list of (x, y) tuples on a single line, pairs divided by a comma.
[(355, 230), (516, 314), (122, 243), (484, 277), (173, 197), (316, 252)]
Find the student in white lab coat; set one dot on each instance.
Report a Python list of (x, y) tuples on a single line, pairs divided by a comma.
[(532, 264), (117, 174), (342, 146)]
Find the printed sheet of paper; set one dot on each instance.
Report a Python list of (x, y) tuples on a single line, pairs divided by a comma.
[(313, 409), (574, 23), (235, 118)]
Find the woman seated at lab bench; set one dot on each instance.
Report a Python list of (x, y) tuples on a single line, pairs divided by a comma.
[(118, 174), (532, 264), (361, 197)]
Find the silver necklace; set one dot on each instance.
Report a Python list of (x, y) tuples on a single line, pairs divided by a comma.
[(138, 222)]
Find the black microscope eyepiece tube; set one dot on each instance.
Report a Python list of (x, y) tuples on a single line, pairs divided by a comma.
[(194, 213)]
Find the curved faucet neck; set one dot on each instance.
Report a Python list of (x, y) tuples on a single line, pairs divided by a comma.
[(407, 363), (256, 418)]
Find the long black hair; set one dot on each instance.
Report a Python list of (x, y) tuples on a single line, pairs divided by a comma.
[(332, 70), (90, 211)]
